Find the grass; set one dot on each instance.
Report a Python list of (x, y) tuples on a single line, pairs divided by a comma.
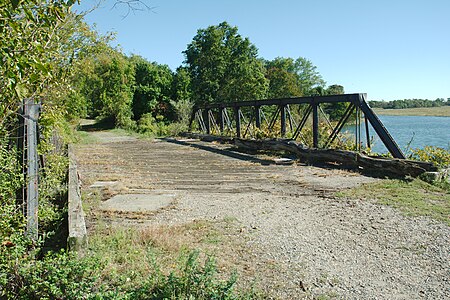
[(413, 198), (84, 138), (443, 111), (162, 262)]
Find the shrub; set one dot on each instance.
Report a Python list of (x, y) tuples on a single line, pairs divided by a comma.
[(436, 155)]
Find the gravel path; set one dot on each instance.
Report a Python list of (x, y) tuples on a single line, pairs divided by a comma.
[(289, 232)]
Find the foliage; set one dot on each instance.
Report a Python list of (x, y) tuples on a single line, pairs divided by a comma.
[(181, 85), (409, 103), (183, 109), (153, 88), (283, 79), (56, 276), (293, 78), (436, 155), (112, 97), (29, 35), (310, 78), (224, 66), (335, 110), (192, 280)]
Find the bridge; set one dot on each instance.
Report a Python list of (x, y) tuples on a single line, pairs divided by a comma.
[(279, 226), (245, 118)]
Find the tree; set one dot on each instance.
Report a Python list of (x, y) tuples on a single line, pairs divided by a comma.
[(108, 87), (31, 32), (310, 79), (335, 110), (289, 78), (224, 66), (153, 90), (335, 89), (181, 85), (283, 79)]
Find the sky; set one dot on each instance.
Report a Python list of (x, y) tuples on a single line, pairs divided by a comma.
[(389, 49)]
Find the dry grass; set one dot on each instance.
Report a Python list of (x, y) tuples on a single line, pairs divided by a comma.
[(443, 111)]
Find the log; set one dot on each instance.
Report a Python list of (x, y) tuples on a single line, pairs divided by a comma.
[(208, 137), (379, 165)]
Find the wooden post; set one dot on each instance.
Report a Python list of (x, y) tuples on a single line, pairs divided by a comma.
[(31, 110), (315, 125)]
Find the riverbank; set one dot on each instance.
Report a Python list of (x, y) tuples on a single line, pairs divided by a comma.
[(442, 111)]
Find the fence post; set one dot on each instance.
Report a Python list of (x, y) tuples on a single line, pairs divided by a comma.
[(31, 115)]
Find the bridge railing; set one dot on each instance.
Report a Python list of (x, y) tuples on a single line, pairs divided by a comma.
[(291, 117)]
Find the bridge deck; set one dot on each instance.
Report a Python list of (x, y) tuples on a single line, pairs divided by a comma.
[(289, 231)]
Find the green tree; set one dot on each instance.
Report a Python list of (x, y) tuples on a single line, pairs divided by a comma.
[(182, 96), (31, 35), (181, 85), (108, 87), (335, 110), (224, 66), (311, 81), (153, 90), (335, 89), (283, 79)]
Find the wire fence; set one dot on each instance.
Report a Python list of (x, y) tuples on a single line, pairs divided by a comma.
[(26, 139)]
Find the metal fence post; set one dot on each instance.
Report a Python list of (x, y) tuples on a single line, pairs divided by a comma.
[(31, 115)]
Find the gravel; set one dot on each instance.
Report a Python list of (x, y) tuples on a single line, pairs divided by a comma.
[(289, 233)]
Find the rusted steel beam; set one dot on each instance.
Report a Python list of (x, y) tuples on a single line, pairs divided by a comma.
[(258, 116), (356, 101), (283, 120), (382, 132), (237, 115), (315, 126)]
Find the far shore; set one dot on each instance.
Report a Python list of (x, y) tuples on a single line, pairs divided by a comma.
[(442, 111)]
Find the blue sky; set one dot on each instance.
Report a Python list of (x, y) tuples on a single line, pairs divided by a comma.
[(391, 50)]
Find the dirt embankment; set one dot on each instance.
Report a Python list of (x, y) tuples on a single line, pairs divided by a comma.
[(280, 226)]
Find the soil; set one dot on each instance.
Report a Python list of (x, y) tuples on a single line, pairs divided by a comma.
[(282, 227)]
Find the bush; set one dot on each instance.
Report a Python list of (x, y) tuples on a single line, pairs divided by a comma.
[(436, 155), (56, 276), (191, 281)]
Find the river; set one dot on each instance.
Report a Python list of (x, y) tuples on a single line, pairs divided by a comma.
[(417, 131)]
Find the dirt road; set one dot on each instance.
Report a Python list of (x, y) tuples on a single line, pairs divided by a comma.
[(289, 233)]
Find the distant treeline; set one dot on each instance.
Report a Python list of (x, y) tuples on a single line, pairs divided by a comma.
[(409, 103)]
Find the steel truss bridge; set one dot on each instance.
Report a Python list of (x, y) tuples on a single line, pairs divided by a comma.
[(292, 117)]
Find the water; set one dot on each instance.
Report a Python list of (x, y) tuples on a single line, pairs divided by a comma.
[(419, 131)]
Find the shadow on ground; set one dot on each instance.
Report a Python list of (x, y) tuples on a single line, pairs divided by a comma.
[(97, 125), (230, 152)]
